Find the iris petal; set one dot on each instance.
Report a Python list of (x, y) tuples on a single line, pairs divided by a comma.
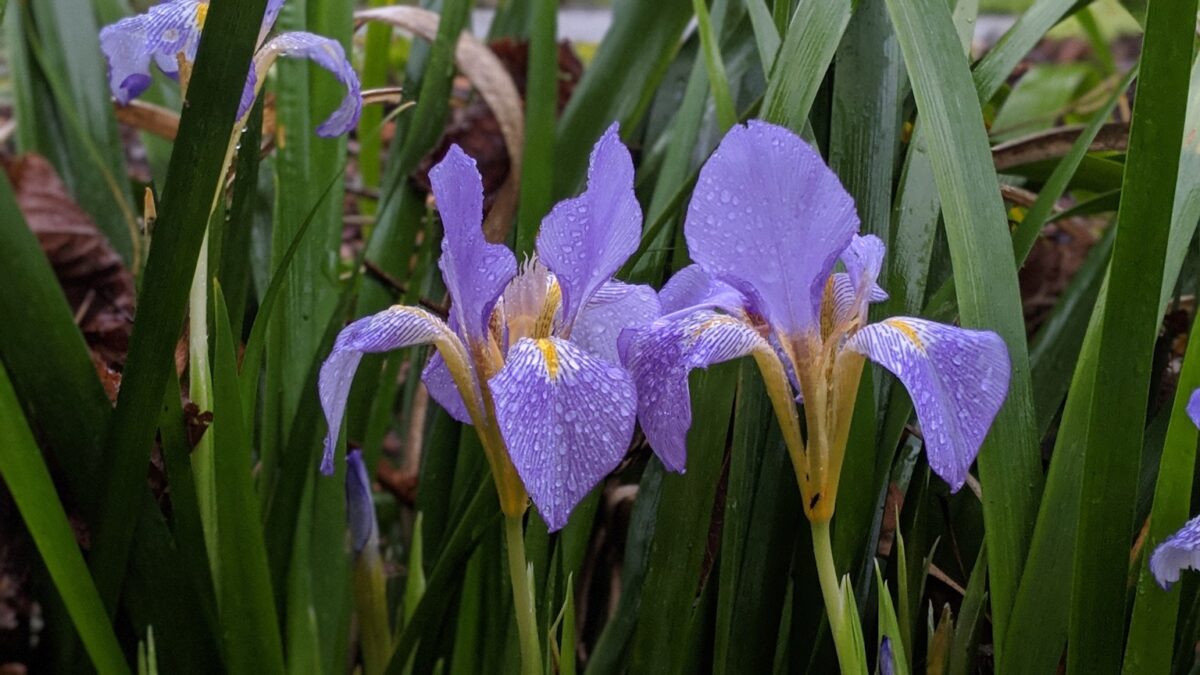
[(390, 329), (130, 44), (613, 308), (854, 289), (957, 379), (360, 508), (440, 383), (660, 357), (691, 288), (474, 270), (769, 217), (566, 417), (327, 54), (1178, 552), (1193, 408), (585, 240)]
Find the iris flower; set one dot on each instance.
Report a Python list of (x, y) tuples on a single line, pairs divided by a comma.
[(1181, 550), (767, 223), (168, 34), (529, 356)]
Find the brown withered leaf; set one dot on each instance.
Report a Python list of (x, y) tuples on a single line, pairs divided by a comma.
[(97, 284)]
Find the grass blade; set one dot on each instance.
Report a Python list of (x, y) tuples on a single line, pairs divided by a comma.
[(32, 489), (988, 297), (808, 48), (1114, 433)]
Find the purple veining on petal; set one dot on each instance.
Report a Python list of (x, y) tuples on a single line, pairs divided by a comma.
[(661, 355), (1178, 552), (613, 308), (566, 417), (957, 379), (327, 54), (474, 270), (442, 388), (857, 287), (393, 328), (586, 239), (770, 218), (1193, 407), (159, 35), (360, 507)]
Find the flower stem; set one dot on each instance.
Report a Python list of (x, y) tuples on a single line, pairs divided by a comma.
[(848, 657), (531, 651)]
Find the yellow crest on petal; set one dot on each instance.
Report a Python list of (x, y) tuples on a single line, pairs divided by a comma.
[(201, 14), (551, 355), (907, 331)]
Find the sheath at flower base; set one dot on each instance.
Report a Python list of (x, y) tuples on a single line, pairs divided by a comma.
[(528, 358), (1181, 550), (767, 223), (169, 33)]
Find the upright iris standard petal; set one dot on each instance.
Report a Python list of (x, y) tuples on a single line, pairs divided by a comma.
[(770, 218), (957, 379), (474, 270), (165, 31), (324, 52), (585, 240), (390, 329), (360, 507), (857, 287), (1193, 407), (1178, 552), (613, 308), (691, 288), (660, 357), (441, 386), (566, 417)]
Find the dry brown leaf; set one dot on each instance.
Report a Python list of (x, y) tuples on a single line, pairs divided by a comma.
[(98, 287)]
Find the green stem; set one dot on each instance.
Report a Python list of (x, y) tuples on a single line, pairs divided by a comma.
[(531, 651), (848, 657)]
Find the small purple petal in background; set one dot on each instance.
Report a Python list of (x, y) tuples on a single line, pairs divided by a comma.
[(566, 417), (887, 665), (660, 357), (393, 328), (769, 217), (474, 270), (1193, 408), (957, 379), (1178, 552), (329, 55), (691, 288), (613, 308), (167, 29), (360, 507), (585, 240), (442, 388), (274, 7), (857, 287)]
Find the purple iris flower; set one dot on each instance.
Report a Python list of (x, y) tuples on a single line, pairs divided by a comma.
[(529, 356), (1181, 550), (360, 506), (767, 224), (170, 32)]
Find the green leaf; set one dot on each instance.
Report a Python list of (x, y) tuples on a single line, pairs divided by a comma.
[(676, 568), (988, 297), (250, 630), (713, 63), (889, 625), (808, 48), (29, 481), (196, 164), (1152, 627), (541, 110), (1114, 432), (970, 618)]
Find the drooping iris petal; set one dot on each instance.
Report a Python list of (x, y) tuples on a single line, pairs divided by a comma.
[(474, 270), (957, 379), (770, 218), (692, 288), (613, 308), (1178, 552), (324, 52), (274, 7), (393, 328), (585, 240), (660, 357), (360, 507), (441, 386), (163, 32), (1193, 408), (566, 417)]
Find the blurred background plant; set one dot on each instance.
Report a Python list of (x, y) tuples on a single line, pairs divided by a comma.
[(964, 130)]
